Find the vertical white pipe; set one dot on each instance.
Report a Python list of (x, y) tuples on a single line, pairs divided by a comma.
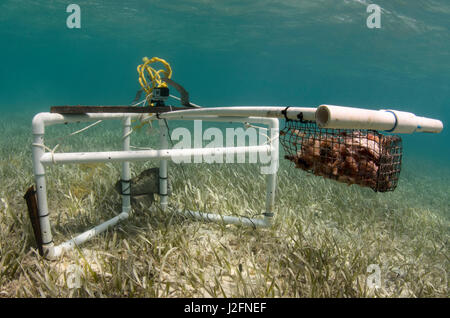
[(271, 179), (126, 174), (41, 188), (163, 191)]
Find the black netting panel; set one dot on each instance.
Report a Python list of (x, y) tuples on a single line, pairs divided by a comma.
[(362, 157)]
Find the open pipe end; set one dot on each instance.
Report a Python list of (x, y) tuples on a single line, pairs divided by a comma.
[(322, 115)]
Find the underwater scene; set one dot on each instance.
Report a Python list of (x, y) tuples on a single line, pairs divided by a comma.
[(307, 211)]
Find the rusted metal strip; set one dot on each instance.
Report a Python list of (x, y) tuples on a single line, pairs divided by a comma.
[(183, 93), (30, 197), (113, 109)]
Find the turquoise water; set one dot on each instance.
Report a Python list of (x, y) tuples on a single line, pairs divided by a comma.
[(302, 53), (226, 53)]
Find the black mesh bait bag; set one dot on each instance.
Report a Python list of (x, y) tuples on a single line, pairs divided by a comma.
[(353, 156)]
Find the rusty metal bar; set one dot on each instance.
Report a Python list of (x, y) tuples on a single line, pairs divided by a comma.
[(113, 109), (30, 197)]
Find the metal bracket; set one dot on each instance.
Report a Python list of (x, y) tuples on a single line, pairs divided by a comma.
[(33, 213)]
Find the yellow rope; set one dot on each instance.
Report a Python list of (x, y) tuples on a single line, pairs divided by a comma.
[(153, 76), (149, 79)]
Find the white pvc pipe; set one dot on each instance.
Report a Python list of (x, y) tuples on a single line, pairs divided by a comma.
[(327, 116), (111, 156), (339, 117), (245, 111), (408, 123), (223, 119), (163, 177), (41, 190), (41, 120), (227, 219), (126, 173), (271, 179), (55, 251)]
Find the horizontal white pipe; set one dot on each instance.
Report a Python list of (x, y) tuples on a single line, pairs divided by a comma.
[(41, 120), (225, 119), (88, 157), (408, 123), (339, 117), (55, 251), (227, 219), (327, 116), (245, 111)]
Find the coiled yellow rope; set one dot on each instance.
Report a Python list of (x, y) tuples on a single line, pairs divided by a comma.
[(153, 76)]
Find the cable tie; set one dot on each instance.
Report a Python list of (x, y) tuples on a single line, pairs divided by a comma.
[(284, 112)]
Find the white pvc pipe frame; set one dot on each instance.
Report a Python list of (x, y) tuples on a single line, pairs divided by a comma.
[(326, 116)]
